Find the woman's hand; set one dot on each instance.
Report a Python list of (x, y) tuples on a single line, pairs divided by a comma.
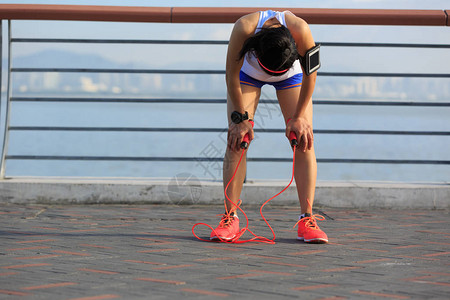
[(304, 131), (236, 133)]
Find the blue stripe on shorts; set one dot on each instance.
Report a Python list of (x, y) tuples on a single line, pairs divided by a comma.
[(292, 82)]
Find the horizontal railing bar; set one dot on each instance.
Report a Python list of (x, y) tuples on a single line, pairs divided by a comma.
[(137, 71), (397, 17), (383, 132), (119, 41), (220, 101), (362, 74), (219, 159), (384, 161), (360, 161), (185, 129), (214, 42), (124, 129), (384, 45), (161, 71), (120, 100), (381, 103)]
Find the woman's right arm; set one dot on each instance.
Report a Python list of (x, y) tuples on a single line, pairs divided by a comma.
[(242, 30)]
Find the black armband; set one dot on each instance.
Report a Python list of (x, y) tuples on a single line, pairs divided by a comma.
[(311, 61)]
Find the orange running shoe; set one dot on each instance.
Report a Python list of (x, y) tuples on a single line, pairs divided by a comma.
[(228, 228), (309, 232)]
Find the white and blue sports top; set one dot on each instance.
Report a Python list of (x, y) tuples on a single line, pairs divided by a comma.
[(251, 66)]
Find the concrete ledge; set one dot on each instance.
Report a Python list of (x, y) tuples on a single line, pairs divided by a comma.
[(189, 191)]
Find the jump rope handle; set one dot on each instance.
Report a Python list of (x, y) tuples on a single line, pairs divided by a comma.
[(292, 136), (245, 142), (246, 139), (293, 139)]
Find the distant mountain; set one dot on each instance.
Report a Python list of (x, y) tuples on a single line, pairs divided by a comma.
[(63, 59), (115, 83), (67, 59)]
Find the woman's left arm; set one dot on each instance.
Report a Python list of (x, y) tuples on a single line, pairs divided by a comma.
[(299, 123)]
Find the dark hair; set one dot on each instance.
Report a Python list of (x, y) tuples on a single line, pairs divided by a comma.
[(274, 47)]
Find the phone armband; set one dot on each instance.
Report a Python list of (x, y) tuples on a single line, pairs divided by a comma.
[(311, 61)]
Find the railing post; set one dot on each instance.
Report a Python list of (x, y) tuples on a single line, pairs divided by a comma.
[(7, 111), (1, 68)]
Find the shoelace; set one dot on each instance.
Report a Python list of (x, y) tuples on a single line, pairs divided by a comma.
[(226, 220), (259, 239), (311, 221)]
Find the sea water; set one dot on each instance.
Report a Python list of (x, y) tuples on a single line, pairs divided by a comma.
[(212, 145)]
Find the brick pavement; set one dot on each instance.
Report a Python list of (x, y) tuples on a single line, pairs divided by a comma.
[(148, 251)]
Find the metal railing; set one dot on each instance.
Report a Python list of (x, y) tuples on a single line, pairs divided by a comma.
[(191, 15)]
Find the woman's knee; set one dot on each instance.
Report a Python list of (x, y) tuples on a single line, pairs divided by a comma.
[(308, 155)]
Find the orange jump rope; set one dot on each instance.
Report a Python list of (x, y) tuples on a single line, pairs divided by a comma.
[(255, 238)]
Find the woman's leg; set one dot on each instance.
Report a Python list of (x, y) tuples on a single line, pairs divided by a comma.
[(250, 96), (305, 169)]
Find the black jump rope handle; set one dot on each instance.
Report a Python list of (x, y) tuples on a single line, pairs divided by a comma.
[(245, 141), (292, 138)]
